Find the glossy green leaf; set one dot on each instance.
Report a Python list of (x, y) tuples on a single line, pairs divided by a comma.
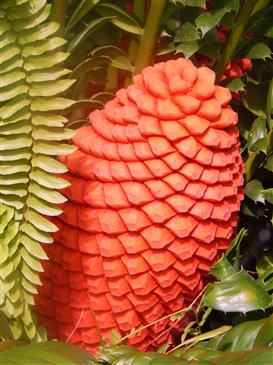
[(188, 48), (255, 97), (236, 85), (119, 58), (186, 33), (258, 50), (253, 190), (46, 353), (268, 194), (237, 293)]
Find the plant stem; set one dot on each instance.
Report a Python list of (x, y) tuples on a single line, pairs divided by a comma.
[(58, 11), (148, 40), (234, 36), (138, 12)]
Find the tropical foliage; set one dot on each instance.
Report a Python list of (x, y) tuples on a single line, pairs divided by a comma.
[(105, 43)]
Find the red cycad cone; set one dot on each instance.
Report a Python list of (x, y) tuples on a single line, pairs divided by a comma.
[(155, 189)]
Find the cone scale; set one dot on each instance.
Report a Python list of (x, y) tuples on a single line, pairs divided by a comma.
[(155, 190)]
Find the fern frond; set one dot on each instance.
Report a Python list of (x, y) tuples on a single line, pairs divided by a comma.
[(31, 135)]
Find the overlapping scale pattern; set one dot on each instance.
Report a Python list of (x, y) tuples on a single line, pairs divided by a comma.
[(155, 190)]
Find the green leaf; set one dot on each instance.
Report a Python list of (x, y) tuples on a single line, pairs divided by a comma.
[(48, 180), (93, 26), (46, 353), (268, 194), (119, 18), (88, 65), (254, 190), (53, 148), (43, 207), (49, 164), (44, 61), (81, 10), (49, 88), (269, 163), (119, 59), (48, 195), (237, 293), (39, 222), (49, 104), (32, 246), (35, 233), (187, 33), (256, 139), (40, 33), (255, 97), (236, 85), (258, 50), (188, 48)]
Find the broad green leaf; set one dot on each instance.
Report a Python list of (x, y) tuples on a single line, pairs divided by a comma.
[(255, 97), (187, 33), (258, 50), (119, 18), (46, 353), (81, 10), (256, 139), (188, 48), (237, 293), (269, 163), (265, 335), (268, 194), (236, 85), (254, 190)]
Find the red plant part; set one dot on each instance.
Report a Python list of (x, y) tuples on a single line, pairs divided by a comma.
[(156, 184)]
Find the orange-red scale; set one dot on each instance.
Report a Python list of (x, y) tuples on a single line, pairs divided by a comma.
[(153, 201)]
